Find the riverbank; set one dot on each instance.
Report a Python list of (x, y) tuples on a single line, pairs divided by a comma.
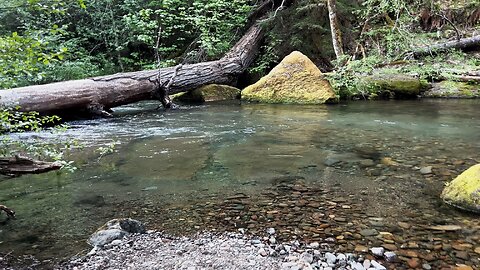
[(156, 250)]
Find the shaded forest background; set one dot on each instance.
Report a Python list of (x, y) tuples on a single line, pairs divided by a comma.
[(43, 41)]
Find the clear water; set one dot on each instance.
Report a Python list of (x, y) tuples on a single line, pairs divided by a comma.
[(176, 157)]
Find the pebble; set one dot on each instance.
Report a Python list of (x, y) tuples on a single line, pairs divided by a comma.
[(426, 266), (378, 266), (271, 231), (390, 256), (262, 252), (426, 170), (307, 257), (463, 267), (369, 232), (331, 258), (377, 251), (360, 248), (413, 263), (366, 264), (341, 257)]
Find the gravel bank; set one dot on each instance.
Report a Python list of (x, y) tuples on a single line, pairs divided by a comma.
[(156, 250)]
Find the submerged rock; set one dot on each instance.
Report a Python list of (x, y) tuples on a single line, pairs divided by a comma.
[(464, 191), (115, 229), (295, 80), (211, 92)]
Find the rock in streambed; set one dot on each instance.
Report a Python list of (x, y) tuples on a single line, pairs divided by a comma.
[(115, 229), (464, 191)]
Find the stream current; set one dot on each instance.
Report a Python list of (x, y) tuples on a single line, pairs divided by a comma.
[(167, 168)]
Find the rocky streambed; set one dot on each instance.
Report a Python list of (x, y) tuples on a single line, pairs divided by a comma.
[(156, 250), (294, 225)]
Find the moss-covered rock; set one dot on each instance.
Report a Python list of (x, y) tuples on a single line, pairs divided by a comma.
[(464, 191), (211, 92), (400, 85), (452, 89), (295, 80)]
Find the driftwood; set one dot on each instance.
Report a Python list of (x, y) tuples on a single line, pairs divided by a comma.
[(19, 165), (98, 95), (10, 213), (462, 44)]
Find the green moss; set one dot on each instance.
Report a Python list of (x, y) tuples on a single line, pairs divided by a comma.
[(399, 84), (296, 80), (464, 191), (453, 89), (212, 92)]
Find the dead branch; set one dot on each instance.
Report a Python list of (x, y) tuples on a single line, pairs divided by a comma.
[(462, 44), (10, 213)]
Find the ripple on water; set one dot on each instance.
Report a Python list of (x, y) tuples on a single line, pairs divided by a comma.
[(363, 159)]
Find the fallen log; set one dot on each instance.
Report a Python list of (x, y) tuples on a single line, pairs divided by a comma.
[(19, 165), (462, 44), (98, 95), (10, 213)]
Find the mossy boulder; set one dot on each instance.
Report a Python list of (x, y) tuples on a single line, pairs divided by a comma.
[(400, 85), (296, 80), (211, 92), (464, 191), (453, 89)]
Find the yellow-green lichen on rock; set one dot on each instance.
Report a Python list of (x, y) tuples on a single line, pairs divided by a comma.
[(211, 92), (399, 84), (296, 80), (464, 191)]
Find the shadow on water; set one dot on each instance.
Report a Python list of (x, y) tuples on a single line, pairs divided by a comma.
[(166, 162)]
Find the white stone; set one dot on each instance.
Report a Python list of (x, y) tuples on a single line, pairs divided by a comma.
[(377, 251), (331, 258), (390, 256), (378, 266)]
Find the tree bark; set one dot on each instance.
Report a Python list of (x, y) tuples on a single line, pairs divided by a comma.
[(19, 165), (335, 29), (462, 44), (98, 95)]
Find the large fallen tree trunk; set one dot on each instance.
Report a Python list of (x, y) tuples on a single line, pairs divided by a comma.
[(462, 44), (98, 95), (102, 93)]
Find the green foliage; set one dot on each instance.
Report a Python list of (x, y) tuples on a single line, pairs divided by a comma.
[(12, 120), (268, 56), (389, 26), (347, 80), (107, 149), (52, 40), (23, 59)]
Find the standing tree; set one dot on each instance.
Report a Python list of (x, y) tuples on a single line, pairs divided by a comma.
[(336, 32)]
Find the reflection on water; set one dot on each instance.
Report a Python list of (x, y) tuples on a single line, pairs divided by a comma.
[(174, 158)]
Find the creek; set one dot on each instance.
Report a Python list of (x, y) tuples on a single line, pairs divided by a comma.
[(229, 165)]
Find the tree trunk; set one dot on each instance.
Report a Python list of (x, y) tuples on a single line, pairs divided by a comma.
[(97, 95), (336, 32), (19, 165), (462, 44)]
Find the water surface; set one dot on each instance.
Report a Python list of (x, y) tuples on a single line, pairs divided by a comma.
[(173, 159)]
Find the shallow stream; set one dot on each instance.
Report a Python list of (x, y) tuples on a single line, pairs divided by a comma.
[(173, 170)]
